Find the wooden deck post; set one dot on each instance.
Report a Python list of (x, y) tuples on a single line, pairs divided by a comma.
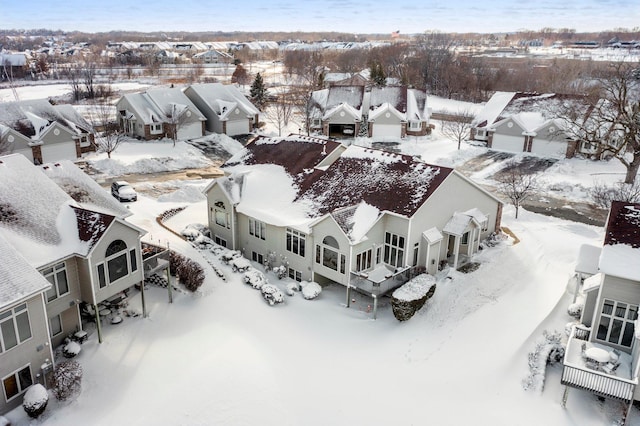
[(626, 414), (348, 295), (565, 395), (98, 324), (169, 275), (144, 304)]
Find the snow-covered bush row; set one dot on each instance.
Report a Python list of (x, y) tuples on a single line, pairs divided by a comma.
[(170, 213), (35, 400), (67, 379), (272, 294), (411, 296), (254, 278), (310, 290), (229, 255), (549, 350)]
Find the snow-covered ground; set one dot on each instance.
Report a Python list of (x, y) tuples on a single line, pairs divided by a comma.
[(222, 356)]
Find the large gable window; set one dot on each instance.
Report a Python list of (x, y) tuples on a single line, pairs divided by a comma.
[(328, 255), (57, 276), (220, 216), (119, 262), (616, 323), (257, 229), (14, 327), (393, 249)]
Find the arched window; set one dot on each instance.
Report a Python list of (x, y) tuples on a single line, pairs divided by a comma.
[(115, 247), (331, 242), (116, 257)]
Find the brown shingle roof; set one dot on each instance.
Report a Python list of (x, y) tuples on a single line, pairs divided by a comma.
[(623, 226), (92, 225)]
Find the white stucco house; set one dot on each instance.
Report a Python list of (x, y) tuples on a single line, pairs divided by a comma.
[(362, 218)]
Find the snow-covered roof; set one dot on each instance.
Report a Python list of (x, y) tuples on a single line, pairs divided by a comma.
[(39, 218), (459, 222), (492, 109), (620, 254), (282, 184), (592, 283), (33, 118), (588, 256), (18, 280), (168, 98), (395, 96), (223, 98), (432, 235)]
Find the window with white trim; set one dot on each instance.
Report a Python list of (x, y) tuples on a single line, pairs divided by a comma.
[(465, 238), (55, 325), (14, 327), (393, 249), (363, 260), (295, 275), (484, 225), (415, 125), (119, 263), (257, 228), (57, 276), (328, 255), (17, 383), (220, 216), (296, 242), (257, 257), (155, 128), (616, 323)]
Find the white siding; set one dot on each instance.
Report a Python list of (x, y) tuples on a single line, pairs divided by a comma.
[(507, 143)]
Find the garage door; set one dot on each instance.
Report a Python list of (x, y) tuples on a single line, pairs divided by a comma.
[(547, 148), (237, 127), (386, 131), (507, 143), (58, 151), (190, 131)]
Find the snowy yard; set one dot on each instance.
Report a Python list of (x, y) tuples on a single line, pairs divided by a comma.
[(222, 356)]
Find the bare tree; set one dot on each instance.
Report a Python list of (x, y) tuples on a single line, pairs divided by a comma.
[(108, 132), (89, 80), (458, 127), (74, 76), (603, 194), (517, 185), (280, 112), (613, 120), (176, 118)]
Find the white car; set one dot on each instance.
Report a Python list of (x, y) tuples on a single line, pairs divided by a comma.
[(123, 191)]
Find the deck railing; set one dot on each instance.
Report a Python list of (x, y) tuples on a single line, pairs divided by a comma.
[(598, 382)]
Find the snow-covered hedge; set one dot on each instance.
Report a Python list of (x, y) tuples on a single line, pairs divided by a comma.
[(548, 350), (254, 278), (310, 290), (411, 297), (67, 379), (35, 400), (272, 294), (190, 273), (71, 349), (575, 309)]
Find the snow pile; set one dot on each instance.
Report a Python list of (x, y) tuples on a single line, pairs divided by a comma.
[(186, 194)]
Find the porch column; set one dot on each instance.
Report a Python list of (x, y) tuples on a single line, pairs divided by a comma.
[(456, 250), (98, 324), (348, 295), (565, 395), (375, 306)]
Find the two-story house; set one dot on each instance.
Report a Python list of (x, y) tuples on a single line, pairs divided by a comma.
[(358, 217), (603, 352)]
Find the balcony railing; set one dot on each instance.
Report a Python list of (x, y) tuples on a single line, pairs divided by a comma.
[(619, 384), (154, 259), (381, 280)]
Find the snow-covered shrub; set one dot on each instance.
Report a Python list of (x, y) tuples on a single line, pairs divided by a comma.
[(280, 271), (71, 349), (229, 255), (4, 421), (190, 274), (272, 294), (67, 379), (311, 290), (254, 278), (190, 233), (35, 400), (575, 309), (411, 296), (292, 287), (549, 350), (493, 240)]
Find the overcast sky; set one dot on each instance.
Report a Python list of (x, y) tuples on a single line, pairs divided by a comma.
[(352, 16)]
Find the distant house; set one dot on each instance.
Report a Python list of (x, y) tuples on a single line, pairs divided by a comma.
[(361, 218), (387, 112), (154, 113), (72, 232), (528, 122), (13, 65), (344, 79), (396, 111), (337, 111), (43, 132), (213, 57), (226, 109), (603, 352)]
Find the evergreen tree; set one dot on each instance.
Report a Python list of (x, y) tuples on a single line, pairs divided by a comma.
[(377, 74), (258, 92)]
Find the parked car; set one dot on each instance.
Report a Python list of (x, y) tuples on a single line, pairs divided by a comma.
[(123, 191)]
